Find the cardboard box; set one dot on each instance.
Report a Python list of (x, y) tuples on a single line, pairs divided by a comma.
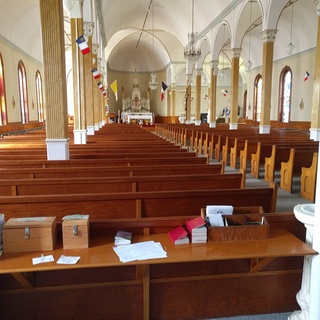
[(29, 234), (75, 232)]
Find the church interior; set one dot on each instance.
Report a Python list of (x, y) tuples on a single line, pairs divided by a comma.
[(138, 116)]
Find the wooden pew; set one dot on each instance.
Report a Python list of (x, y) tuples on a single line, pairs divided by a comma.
[(18, 187), (264, 150), (308, 179), (298, 158), (108, 171), (135, 204), (65, 287), (102, 162)]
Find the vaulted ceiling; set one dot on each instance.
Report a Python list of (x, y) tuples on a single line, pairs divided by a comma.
[(149, 34)]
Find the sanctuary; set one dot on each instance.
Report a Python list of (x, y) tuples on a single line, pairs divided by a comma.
[(136, 108)]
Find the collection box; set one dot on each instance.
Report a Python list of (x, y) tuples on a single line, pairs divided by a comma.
[(75, 232), (29, 234), (240, 225)]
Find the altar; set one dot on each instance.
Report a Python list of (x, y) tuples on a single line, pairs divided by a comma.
[(136, 108), (143, 116)]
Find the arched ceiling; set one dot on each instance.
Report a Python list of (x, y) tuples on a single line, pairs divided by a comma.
[(147, 35)]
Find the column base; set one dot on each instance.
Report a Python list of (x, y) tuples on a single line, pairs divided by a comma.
[(90, 130), (233, 126), (96, 127), (264, 129), (197, 122), (188, 121), (80, 136), (58, 149), (212, 124), (315, 134)]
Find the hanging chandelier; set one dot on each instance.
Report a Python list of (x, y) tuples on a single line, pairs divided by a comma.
[(191, 52)]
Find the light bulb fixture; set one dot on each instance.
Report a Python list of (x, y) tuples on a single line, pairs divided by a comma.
[(249, 63), (191, 52), (153, 83), (222, 72), (290, 46), (68, 4)]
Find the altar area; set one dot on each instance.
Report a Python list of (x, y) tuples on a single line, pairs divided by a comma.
[(136, 108)]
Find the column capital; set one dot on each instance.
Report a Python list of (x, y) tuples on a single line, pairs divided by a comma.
[(95, 48), (268, 35), (235, 52), (214, 66), (88, 28), (199, 72), (317, 3)]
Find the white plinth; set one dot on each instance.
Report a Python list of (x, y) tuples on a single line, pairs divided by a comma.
[(315, 134), (233, 126), (264, 129), (80, 136), (212, 124), (58, 149), (197, 122), (96, 127), (90, 130)]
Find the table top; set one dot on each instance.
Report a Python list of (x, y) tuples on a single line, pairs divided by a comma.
[(281, 243)]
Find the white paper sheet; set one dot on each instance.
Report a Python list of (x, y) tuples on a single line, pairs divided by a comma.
[(140, 251)]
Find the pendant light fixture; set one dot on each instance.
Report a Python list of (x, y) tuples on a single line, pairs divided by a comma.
[(153, 83), (222, 72), (249, 62), (191, 52), (290, 46)]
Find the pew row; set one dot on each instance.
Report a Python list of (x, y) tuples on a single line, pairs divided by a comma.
[(149, 289), (136, 204), (37, 163), (308, 179), (18, 187), (297, 159), (108, 171)]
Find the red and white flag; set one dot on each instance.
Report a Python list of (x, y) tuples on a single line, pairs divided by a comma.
[(96, 73), (163, 89)]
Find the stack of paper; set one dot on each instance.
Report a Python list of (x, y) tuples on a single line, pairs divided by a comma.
[(140, 251), (214, 214), (122, 238), (197, 230)]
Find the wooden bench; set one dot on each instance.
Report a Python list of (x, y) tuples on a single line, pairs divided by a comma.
[(18, 187), (13, 163), (26, 172), (308, 179), (264, 150), (148, 289), (136, 204), (298, 158)]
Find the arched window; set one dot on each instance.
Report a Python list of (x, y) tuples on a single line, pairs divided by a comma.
[(257, 97), (39, 96), (285, 84), (3, 109), (22, 78)]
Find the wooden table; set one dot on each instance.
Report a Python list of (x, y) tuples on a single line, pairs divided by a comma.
[(281, 243)]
